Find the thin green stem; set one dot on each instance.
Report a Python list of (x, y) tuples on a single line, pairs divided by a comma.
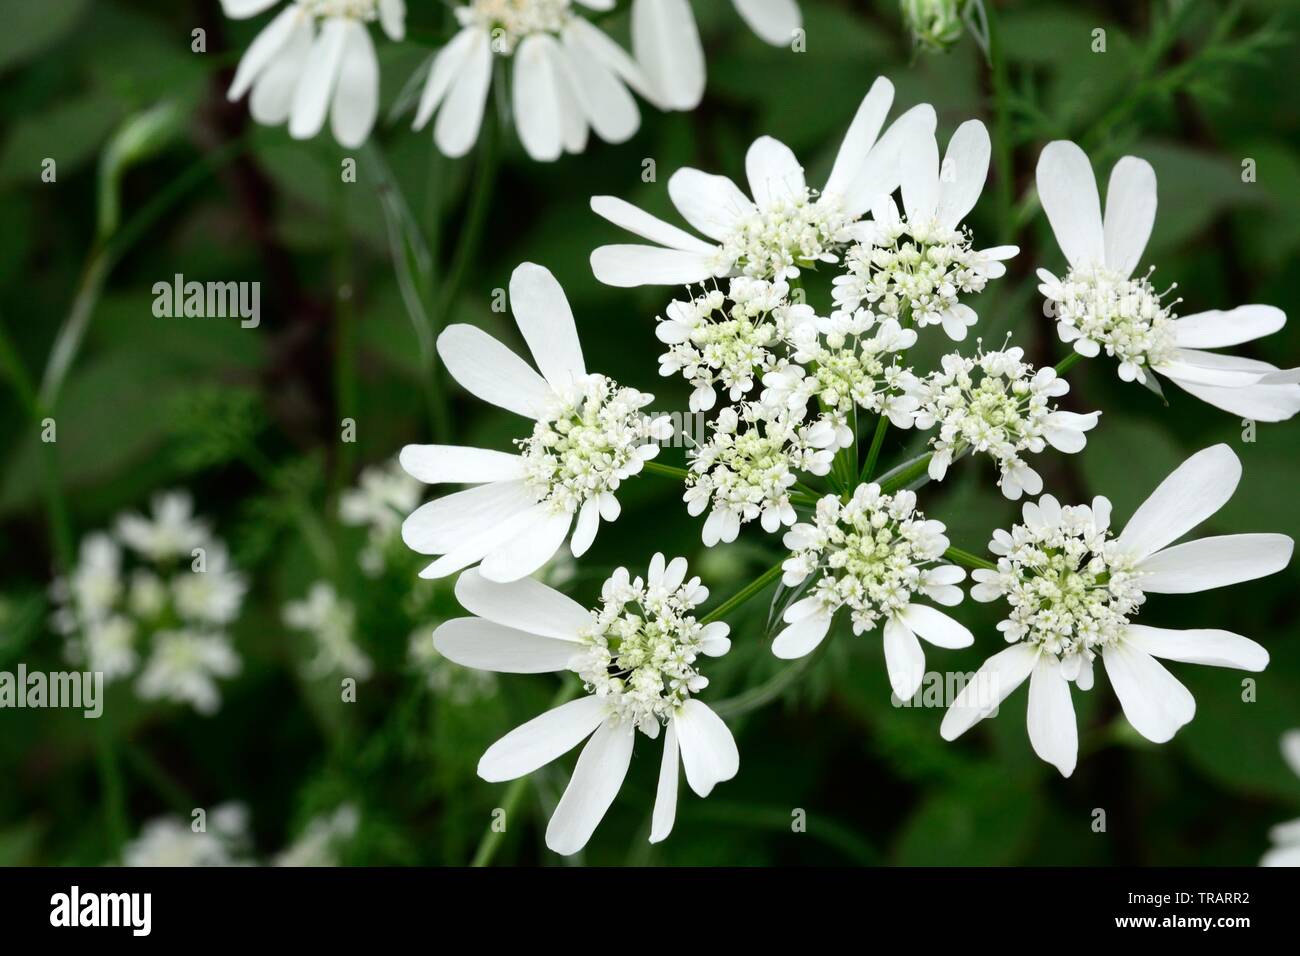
[(1001, 127), (968, 560), (666, 471), (110, 779), (744, 594), (906, 476), (1068, 363), (873, 453)]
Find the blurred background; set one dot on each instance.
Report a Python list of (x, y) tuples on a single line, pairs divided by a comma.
[(156, 174)]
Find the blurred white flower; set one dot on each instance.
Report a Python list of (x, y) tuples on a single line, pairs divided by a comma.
[(1099, 305), (589, 435), (321, 839), (211, 596), (171, 533), (173, 842), (1286, 836), (1073, 589), (299, 74), (385, 495), (637, 656), (331, 623), (183, 667)]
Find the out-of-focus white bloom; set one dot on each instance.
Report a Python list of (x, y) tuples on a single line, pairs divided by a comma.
[(331, 623), (589, 435), (785, 227), (183, 668), (1286, 836), (638, 658), (173, 842), (94, 587), (299, 74), (447, 679), (874, 555), (1003, 411), (321, 839), (1098, 304), (1073, 589), (173, 532), (666, 42), (211, 596), (568, 78), (385, 495), (916, 267)]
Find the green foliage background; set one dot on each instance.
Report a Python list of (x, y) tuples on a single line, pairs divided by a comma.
[(249, 421)]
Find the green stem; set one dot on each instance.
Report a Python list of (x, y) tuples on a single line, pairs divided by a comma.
[(1068, 363), (966, 559), (1001, 127), (110, 780), (873, 453), (908, 475), (744, 594), (666, 471)]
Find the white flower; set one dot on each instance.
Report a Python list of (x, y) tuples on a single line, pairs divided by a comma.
[(568, 77), (916, 267), (589, 435), (331, 622), (299, 74), (1286, 836), (873, 555), (183, 667), (1099, 305), (1073, 589), (173, 842), (1003, 411), (94, 587), (787, 225), (637, 655), (211, 596), (667, 44), (319, 843), (385, 495), (172, 533)]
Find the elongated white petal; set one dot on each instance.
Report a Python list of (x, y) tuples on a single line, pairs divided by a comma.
[(538, 742), (1192, 366), (392, 18), (1260, 403), (1053, 731), (861, 135), (904, 659), (1068, 191), (462, 110), (1216, 329), (1214, 563), (487, 646), (634, 220), (1194, 490), (919, 174), (993, 682), (613, 56), (936, 627), (529, 550), (627, 266), (1130, 213), (712, 204), (601, 767), (525, 605), (440, 525), (542, 312), (446, 68), (483, 541), (266, 48), (316, 88), (1201, 646), (665, 812), (666, 44), (437, 464), (585, 528), (356, 94), (1154, 701), (774, 172), (243, 9), (709, 752), (803, 636), (537, 97), (964, 170), (487, 369), (604, 98), (881, 173), (276, 85), (773, 20)]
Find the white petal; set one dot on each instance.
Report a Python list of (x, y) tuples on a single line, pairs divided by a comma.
[(1202, 646), (274, 91), (529, 550), (904, 659), (801, 637), (1291, 750), (438, 464), (712, 204), (666, 44), (936, 627), (483, 645), (392, 18), (919, 174), (773, 171), (1214, 563), (446, 68), (484, 540), (546, 321), (605, 100), (487, 369), (967, 162), (440, 525), (1196, 489), (627, 266), (266, 48), (1130, 213), (637, 221), (316, 88), (862, 133), (613, 56), (1154, 702), (665, 812), (1053, 731), (537, 97), (525, 605), (1261, 403), (1216, 329), (584, 532), (1068, 191), (1001, 674), (773, 20), (462, 112), (356, 93), (709, 751), (881, 173), (243, 9), (1192, 366), (597, 777), (538, 742)]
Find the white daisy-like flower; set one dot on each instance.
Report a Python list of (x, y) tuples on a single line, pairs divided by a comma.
[(321, 839), (875, 554), (172, 842), (1099, 305), (1286, 836), (666, 42), (589, 436), (331, 623), (917, 266), (568, 78), (385, 495), (785, 226), (637, 655), (299, 73), (1073, 589), (172, 532), (183, 667), (997, 404), (211, 596)]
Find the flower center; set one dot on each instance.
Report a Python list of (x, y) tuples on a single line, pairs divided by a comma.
[(510, 21), (774, 240), (588, 445), (1125, 316), (364, 10)]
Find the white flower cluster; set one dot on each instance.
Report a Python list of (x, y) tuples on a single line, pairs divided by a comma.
[(643, 643), (509, 21), (219, 838), (790, 230), (384, 497), (999, 405), (593, 439), (169, 609), (1071, 588), (331, 622), (1098, 308), (872, 554)]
